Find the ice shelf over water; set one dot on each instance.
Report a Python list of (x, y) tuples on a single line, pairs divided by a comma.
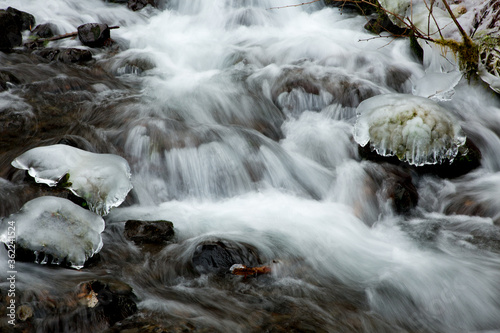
[(415, 129), (103, 180), (56, 227)]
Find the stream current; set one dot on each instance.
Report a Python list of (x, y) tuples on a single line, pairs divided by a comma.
[(237, 120)]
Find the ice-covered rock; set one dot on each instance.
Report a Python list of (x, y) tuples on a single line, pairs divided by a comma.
[(415, 129), (103, 180), (52, 226)]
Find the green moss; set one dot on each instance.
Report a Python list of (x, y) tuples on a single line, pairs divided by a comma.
[(467, 53)]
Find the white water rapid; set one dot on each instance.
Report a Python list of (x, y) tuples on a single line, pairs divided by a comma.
[(242, 130)]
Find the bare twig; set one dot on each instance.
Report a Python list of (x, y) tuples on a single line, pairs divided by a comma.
[(68, 35), (462, 31), (431, 14)]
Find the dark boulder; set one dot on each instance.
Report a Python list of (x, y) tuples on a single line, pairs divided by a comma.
[(140, 4), (115, 299), (384, 24), (364, 7), (149, 232), (45, 30), (25, 21), (10, 34), (94, 34), (217, 257)]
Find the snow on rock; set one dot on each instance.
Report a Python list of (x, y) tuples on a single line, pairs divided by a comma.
[(103, 180), (478, 18), (55, 227), (415, 129)]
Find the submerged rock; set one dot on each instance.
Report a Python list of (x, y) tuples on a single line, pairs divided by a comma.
[(16, 116), (70, 55), (218, 257), (395, 184), (103, 180), (414, 129), (56, 230), (149, 232), (6, 79)]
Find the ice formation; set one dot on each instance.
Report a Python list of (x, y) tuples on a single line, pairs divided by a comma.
[(56, 227), (103, 180), (478, 18), (415, 129)]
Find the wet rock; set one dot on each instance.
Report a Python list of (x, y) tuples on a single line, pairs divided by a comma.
[(25, 21), (115, 300), (16, 116), (94, 34), (90, 306), (7, 77), (396, 185), (475, 195), (296, 84), (468, 159), (397, 77), (136, 66), (34, 44), (384, 24), (218, 257), (45, 30), (10, 34), (24, 312), (61, 85), (77, 142), (48, 53), (361, 6), (149, 232), (140, 4), (74, 55)]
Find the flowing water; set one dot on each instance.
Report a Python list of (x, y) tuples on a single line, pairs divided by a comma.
[(237, 120)]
